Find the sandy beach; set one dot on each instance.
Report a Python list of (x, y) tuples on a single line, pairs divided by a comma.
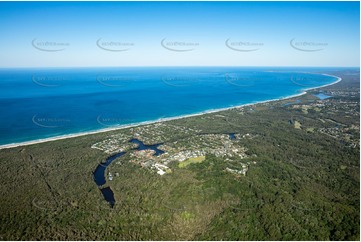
[(303, 91)]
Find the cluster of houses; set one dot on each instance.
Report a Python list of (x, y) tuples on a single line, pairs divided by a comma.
[(158, 132), (242, 171), (116, 143), (194, 145)]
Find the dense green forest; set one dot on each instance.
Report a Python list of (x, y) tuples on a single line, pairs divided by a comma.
[(303, 183)]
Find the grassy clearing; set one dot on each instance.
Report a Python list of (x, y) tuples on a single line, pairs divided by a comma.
[(185, 163), (297, 125)]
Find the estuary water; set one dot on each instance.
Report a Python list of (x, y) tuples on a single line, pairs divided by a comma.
[(99, 173)]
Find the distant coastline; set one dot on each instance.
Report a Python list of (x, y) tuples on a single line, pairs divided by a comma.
[(26, 143)]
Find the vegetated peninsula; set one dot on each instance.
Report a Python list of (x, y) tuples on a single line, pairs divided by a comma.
[(279, 170)]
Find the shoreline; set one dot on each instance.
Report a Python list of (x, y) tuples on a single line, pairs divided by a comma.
[(67, 136)]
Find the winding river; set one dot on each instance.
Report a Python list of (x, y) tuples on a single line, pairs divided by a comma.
[(99, 172)]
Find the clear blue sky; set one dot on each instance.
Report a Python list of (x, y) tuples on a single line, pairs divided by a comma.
[(143, 25)]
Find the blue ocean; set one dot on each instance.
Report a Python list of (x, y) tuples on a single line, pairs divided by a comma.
[(44, 103)]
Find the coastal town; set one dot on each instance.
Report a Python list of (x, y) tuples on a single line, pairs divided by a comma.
[(191, 145), (332, 117), (244, 158), (180, 120), (189, 148)]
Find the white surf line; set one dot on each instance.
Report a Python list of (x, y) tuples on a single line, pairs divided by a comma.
[(38, 141)]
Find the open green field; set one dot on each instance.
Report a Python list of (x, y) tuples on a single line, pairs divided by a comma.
[(189, 161)]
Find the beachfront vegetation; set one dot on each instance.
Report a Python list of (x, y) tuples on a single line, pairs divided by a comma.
[(302, 180)]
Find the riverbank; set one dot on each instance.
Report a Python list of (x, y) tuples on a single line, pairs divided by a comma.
[(26, 143)]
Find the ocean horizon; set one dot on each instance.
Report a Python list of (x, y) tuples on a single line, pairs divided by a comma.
[(42, 103)]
